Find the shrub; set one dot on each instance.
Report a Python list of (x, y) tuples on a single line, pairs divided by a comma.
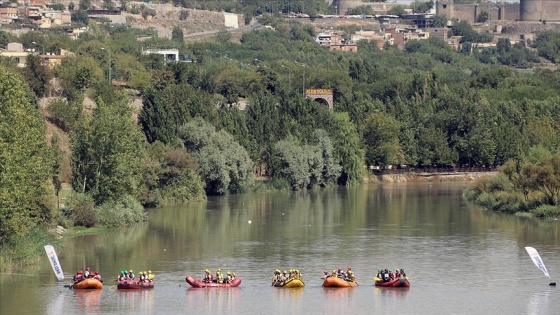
[(64, 114), (547, 212), (124, 211), (81, 208)]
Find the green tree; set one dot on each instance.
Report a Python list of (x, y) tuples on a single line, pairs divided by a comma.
[(25, 164), (177, 35), (36, 75), (483, 17), (397, 10), (107, 151), (156, 118), (348, 149), (80, 17), (85, 4), (440, 20), (381, 140), (545, 177), (225, 165)]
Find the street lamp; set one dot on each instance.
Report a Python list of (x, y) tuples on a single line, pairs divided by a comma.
[(303, 83), (40, 45), (109, 51)]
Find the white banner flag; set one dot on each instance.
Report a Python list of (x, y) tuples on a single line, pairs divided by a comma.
[(537, 259), (55, 264)]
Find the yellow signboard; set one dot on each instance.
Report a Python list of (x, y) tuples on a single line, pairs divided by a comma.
[(318, 91)]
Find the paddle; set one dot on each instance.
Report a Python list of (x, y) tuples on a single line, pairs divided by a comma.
[(69, 286)]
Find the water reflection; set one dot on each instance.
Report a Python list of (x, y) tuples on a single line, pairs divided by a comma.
[(87, 301), (421, 227), (213, 300), (134, 301)]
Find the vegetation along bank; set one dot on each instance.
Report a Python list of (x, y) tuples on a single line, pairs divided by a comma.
[(171, 132)]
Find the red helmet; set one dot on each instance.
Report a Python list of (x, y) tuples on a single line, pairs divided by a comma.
[(87, 268), (349, 268), (97, 272), (80, 272)]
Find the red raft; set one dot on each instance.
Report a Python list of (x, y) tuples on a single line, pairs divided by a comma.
[(134, 285), (201, 284), (395, 283)]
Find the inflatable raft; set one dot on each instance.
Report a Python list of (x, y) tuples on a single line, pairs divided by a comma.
[(290, 283), (201, 284), (338, 282), (395, 283), (89, 283), (134, 285)]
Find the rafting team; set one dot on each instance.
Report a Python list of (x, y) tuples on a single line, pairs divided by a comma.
[(347, 275), (388, 275), (81, 275), (209, 278), (285, 276), (144, 276)]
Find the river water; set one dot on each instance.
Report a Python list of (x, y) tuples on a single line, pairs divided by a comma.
[(459, 258)]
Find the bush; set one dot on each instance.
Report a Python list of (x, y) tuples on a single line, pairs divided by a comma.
[(23, 250), (63, 114), (81, 208), (124, 211), (547, 212)]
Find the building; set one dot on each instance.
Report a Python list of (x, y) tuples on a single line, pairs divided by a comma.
[(400, 36), (16, 52), (169, 55), (370, 36), (8, 15)]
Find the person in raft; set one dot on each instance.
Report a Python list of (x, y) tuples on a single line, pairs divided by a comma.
[(208, 278), (122, 276), (98, 276), (78, 277), (219, 276), (229, 277), (130, 275), (150, 276), (87, 273)]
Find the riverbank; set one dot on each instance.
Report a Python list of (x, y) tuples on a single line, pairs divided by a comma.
[(427, 177)]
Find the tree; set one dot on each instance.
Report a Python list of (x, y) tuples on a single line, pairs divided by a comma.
[(347, 149), (25, 166), (483, 17), (381, 140), (36, 75), (85, 4), (71, 6), (225, 165), (156, 119), (177, 35), (80, 17), (422, 7), (396, 10), (440, 20), (107, 151), (545, 177)]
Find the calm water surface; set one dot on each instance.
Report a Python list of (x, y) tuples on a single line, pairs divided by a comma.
[(460, 259)]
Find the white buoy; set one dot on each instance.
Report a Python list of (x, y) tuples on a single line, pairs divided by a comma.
[(249, 222)]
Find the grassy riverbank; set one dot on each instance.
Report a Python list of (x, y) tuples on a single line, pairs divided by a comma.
[(499, 194)]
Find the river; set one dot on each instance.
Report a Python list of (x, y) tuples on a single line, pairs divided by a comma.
[(459, 258)]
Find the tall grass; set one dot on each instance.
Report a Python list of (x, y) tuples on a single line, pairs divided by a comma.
[(24, 250)]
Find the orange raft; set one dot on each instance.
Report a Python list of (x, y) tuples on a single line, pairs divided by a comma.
[(338, 282), (89, 283)]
